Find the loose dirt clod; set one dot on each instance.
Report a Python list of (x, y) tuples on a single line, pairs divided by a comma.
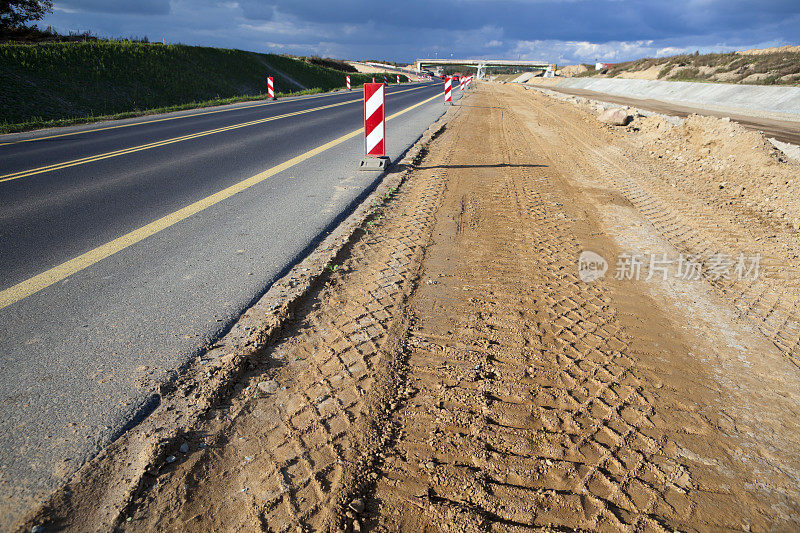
[(615, 117)]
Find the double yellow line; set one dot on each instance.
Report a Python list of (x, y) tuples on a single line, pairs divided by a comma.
[(177, 117), (125, 151), (64, 270), (165, 119)]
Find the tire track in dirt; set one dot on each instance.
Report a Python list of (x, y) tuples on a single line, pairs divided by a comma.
[(280, 460), (539, 402), (697, 227)]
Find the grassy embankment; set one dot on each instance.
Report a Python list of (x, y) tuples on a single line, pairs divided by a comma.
[(56, 84), (774, 68)]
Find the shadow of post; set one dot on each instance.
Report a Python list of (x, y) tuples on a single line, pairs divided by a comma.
[(498, 165)]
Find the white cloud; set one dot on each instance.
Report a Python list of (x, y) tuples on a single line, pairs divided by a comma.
[(670, 51)]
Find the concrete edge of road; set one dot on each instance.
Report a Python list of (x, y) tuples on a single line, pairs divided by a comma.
[(105, 485), (88, 127), (792, 151), (766, 101)]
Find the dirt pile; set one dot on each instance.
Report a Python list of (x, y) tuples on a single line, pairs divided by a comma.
[(731, 161), (572, 70)]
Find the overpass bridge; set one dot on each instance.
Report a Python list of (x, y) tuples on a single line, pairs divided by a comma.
[(481, 64)]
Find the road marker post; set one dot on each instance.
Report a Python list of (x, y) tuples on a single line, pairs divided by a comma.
[(270, 88), (462, 84), (398, 79), (347, 78), (374, 128), (448, 90)]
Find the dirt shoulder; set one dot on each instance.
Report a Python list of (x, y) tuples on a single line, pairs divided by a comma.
[(547, 402), (453, 371)]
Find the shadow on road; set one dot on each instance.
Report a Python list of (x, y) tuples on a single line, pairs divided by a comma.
[(498, 165)]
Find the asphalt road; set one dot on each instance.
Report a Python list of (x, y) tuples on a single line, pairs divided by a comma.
[(83, 355), (783, 130)]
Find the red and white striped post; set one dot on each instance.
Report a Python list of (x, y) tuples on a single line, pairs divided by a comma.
[(469, 80), (398, 79), (374, 128), (463, 84), (448, 90), (373, 79), (270, 88), (347, 79)]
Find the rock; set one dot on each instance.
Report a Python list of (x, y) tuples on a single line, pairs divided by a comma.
[(269, 387), (184, 448), (615, 117), (357, 505)]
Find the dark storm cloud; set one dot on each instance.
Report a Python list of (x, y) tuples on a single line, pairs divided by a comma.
[(126, 7), (596, 20), (567, 30)]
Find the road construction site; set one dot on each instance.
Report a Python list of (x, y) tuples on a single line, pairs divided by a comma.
[(446, 362)]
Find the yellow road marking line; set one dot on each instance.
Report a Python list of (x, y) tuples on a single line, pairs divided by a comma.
[(165, 119), (64, 270), (125, 151)]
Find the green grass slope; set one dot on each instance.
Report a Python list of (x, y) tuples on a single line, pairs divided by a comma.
[(62, 83), (768, 68)]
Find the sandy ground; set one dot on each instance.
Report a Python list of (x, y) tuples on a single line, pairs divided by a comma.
[(452, 371)]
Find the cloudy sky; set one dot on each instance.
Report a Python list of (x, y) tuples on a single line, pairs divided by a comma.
[(559, 31)]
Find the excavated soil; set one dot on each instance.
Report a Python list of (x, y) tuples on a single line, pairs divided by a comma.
[(454, 373)]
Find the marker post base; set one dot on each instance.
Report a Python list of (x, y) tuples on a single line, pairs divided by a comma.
[(374, 163)]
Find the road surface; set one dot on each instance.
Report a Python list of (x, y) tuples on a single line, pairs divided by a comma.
[(128, 247)]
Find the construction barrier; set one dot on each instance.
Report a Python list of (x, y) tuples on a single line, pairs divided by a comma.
[(448, 89), (398, 79), (469, 80), (374, 127), (270, 88), (347, 78), (463, 83)]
